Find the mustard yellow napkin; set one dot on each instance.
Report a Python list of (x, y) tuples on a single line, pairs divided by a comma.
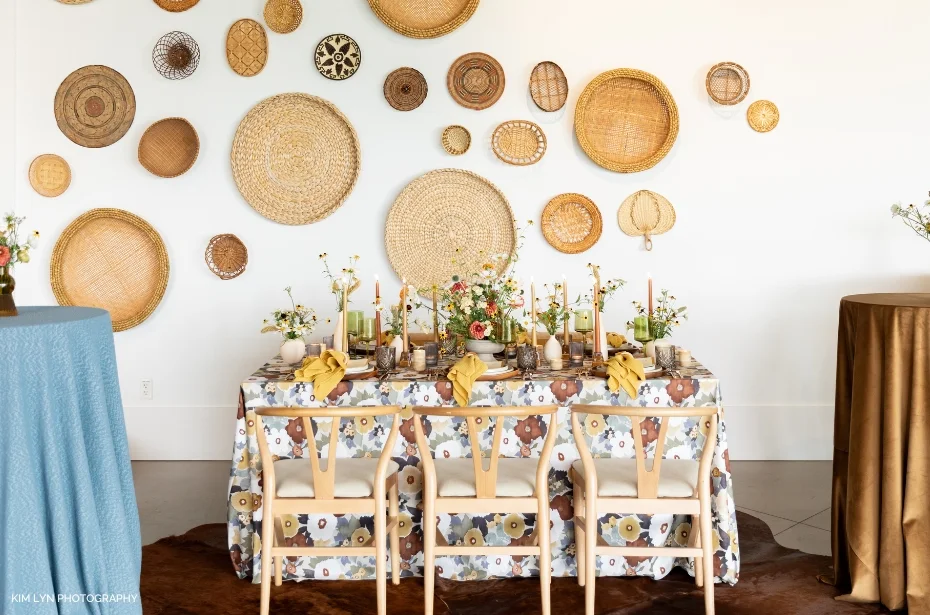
[(463, 375), (623, 370), (616, 340), (325, 371)]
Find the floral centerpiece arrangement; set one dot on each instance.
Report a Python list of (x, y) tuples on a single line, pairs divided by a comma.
[(553, 318), (345, 279), (293, 325), (14, 249), (664, 318), (918, 222), (605, 293)]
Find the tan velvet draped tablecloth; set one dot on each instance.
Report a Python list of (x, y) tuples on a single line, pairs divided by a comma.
[(881, 457)]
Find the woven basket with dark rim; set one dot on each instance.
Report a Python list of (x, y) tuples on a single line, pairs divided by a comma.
[(423, 18), (176, 55), (727, 83), (405, 89), (626, 120), (548, 86), (337, 57), (95, 106), (476, 81), (226, 256), (169, 147), (247, 47), (111, 259), (571, 223)]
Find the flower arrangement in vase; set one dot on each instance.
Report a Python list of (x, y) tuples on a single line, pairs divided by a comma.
[(553, 318), (13, 250), (293, 325), (604, 292), (663, 319), (342, 286), (918, 222)]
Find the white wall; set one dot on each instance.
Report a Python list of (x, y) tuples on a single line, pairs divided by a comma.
[(772, 229)]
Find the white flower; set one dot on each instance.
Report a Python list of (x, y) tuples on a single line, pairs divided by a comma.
[(895, 210), (482, 304)]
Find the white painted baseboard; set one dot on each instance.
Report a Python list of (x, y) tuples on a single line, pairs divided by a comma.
[(754, 432)]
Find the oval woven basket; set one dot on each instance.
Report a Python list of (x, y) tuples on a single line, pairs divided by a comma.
[(247, 47), (571, 223), (447, 222), (169, 147), (456, 140), (646, 213), (519, 142), (548, 86), (423, 18), (727, 83), (295, 158), (763, 115), (226, 256), (283, 16), (111, 259), (405, 89), (95, 106), (626, 120), (476, 81), (50, 175)]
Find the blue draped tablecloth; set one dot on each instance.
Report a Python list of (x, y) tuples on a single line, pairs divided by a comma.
[(69, 526)]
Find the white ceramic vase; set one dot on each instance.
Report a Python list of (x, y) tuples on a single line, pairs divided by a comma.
[(649, 349), (398, 345), (604, 347), (485, 349), (293, 351), (339, 333), (552, 349)]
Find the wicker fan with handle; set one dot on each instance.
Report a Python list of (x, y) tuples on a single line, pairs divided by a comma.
[(646, 213)]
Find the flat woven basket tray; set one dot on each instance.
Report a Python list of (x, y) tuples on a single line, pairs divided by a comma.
[(727, 83), (571, 223), (247, 47), (49, 175), (519, 142), (295, 158), (763, 115), (111, 259), (169, 147), (176, 6), (444, 216), (226, 256), (405, 89), (548, 86), (423, 18), (475, 81), (95, 106), (626, 120), (283, 16)]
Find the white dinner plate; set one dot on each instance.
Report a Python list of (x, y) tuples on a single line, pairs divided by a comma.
[(497, 370), (358, 370)]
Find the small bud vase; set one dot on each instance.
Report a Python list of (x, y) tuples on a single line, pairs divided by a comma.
[(293, 351), (7, 286)]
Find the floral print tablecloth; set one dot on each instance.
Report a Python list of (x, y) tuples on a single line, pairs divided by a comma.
[(364, 436)]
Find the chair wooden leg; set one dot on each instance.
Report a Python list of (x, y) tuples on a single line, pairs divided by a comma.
[(395, 535), (429, 556), (381, 551), (578, 506), (267, 560), (278, 570), (590, 546), (694, 540), (545, 553), (707, 546)]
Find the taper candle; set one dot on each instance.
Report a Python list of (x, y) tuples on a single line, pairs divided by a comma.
[(597, 317), (435, 316), (403, 309), (565, 338), (533, 312), (649, 275), (345, 315), (377, 312)]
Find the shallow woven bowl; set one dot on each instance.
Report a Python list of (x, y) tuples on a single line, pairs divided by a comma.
[(114, 260), (519, 142), (448, 222), (295, 158), (405, 89), (456, 140), (727, 83), (95, 106), (571, 223), (763, 115), (247, 47), (475, 81), (423, 18), (626, 120), (283, 16), (548, 86), (169, 147), (50, 175), (226, 256)]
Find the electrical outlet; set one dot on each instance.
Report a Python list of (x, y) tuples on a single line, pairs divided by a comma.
[(147, 389)]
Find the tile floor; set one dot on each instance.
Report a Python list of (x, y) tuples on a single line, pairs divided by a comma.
[(793, 497)]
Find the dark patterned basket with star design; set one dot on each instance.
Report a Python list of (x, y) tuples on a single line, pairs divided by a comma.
[(337, 57)]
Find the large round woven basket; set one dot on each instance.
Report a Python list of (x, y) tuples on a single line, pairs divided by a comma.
[(247, 47), (548, 86), (50, 175), (448, 222), (75, 1), (95, 106), (476, 81), (519, 142), (423, 18), (169, 147), (626, 120), (226, 256), (176, 6), (295, 158), (111, 259), (571, 223)]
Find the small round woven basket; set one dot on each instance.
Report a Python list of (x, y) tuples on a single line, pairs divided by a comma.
[(519, 142), (226, 256), (763, 115), (727, 83), (405, 89), (169, 147), (456, 140), (571, 223), (283, 16), (50, 175), (476, 81), (548, 86), (247, 47), (176, 55)]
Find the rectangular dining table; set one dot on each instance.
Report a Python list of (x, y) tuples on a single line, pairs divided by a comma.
[(273, 385)]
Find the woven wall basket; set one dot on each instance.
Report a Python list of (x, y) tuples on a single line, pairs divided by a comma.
[(176, 6), (519, 142), (646, 213), (247, 47), (626, 120), (548, 86), (169, 147), (571, 223), (95, 106), (75, 1), (763, 115), (226, 256), (423, 18), (727, 83), (295, 158), (111, 259), (475, 81), (283, 16), (176, 55), (444, 216), (337, 57), (49, 175), (456, 140), (405, 89)]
